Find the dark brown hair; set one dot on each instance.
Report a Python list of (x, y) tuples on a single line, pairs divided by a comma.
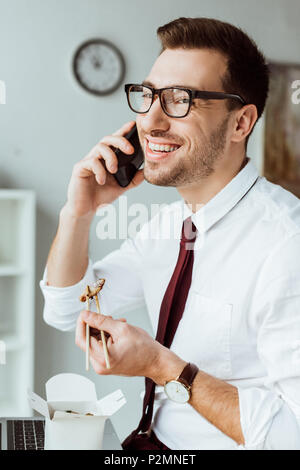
[(247, 71)]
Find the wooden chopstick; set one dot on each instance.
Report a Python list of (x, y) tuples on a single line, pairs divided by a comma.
[(103, 337), (87, 339)]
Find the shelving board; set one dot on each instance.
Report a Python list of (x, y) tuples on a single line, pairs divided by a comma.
[(17, 255)]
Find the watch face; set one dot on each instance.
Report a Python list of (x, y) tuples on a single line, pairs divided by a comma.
[(177, 392), (99, 67)]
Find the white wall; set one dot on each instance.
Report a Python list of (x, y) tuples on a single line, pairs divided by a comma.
[(48, 123)]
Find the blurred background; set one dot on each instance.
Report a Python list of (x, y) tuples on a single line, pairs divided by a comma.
[(49, 123)]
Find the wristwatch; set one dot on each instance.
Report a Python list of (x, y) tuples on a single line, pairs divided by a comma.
[(179, 390)]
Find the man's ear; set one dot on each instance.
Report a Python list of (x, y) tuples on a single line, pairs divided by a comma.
[(244, 121)]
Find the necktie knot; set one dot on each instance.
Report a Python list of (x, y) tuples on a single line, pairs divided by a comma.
[(188, 233)]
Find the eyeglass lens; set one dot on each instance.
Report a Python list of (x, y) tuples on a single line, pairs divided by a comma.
[(174, 101)]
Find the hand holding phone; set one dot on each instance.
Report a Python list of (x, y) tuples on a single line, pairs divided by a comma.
[(129, 164), (102, 176)]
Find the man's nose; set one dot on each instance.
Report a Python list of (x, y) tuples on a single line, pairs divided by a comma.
[(155, 118)]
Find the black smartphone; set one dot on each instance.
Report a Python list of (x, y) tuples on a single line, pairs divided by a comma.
[(128, 164)]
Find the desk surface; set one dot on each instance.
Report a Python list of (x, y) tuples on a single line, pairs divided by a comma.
[(110, 438)]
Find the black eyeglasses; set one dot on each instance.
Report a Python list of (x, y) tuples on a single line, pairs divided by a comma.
[(176, 102)]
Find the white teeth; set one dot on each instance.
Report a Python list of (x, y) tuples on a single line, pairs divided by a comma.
[(162, 148)]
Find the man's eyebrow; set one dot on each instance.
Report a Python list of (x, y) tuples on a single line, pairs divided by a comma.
[(148, 83)]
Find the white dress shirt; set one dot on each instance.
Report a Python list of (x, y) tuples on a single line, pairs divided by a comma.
[(241, 322)]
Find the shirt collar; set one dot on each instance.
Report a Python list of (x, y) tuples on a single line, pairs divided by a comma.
[(224, 200)]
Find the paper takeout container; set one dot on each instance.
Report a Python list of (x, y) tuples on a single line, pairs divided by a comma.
[(70, 431)]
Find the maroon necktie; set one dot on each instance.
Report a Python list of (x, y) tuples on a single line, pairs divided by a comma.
[(171, 311)]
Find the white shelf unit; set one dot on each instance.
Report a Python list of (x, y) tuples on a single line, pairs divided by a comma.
[(17, 262)]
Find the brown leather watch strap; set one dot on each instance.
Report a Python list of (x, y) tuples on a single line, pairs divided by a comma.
[(188, 374)]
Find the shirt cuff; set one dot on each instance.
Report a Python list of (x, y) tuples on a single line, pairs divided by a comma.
[(62, 304), (258, 407)]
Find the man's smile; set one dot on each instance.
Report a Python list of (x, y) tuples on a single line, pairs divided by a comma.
[(159, 149)]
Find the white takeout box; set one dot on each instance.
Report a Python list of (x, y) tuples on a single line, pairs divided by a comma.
[(69, 431)]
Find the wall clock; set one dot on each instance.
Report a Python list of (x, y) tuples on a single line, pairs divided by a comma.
[(99, 66)]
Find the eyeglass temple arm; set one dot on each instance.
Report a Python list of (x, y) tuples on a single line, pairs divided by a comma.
[(216, 95)]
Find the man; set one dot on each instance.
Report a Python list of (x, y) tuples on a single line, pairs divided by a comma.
[(231, 304)]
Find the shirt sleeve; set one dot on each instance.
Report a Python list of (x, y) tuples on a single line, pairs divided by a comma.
[(122, 292), (270, 415)]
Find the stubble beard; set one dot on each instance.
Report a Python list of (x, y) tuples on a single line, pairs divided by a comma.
[(192, 167)]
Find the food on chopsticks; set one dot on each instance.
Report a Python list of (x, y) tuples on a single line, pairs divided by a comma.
[(97, 287), (91, 293)]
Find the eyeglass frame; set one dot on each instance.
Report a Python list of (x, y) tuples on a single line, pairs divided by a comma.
[(193, 94)]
